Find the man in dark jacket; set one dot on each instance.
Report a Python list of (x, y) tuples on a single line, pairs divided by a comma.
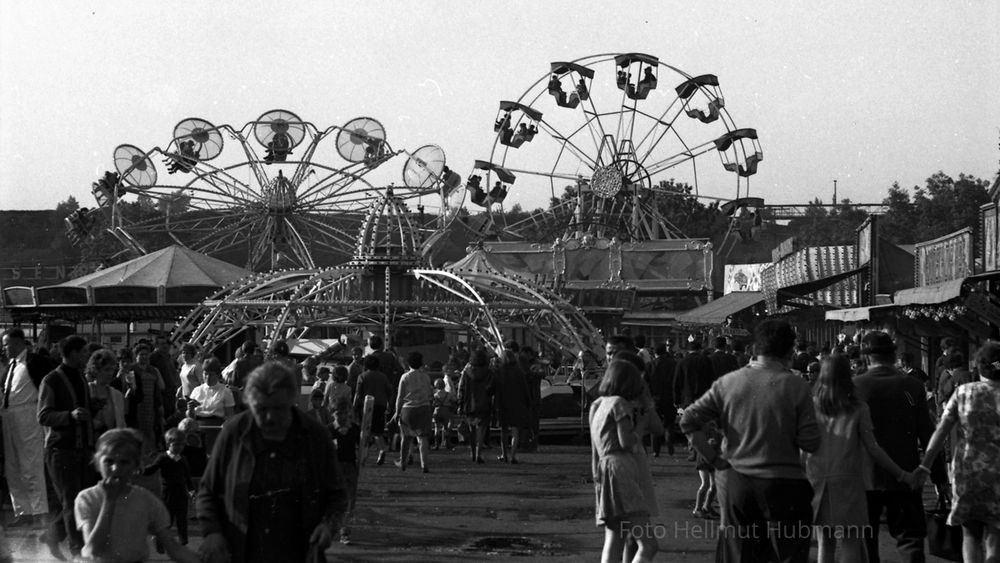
[(63, 406), (902, 426), (722, 361), (693, 377), (661, 386), (802, 359)]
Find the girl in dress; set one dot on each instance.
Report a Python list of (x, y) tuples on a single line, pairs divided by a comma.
[(115, 516), (623, 485), (838, 470), (975, 470)]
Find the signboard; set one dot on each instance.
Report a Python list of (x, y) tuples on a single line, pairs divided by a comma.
[(654, 265), (865, 243), (743, 277), (32, 275), (867, 257), (944, 259), (988, 234)]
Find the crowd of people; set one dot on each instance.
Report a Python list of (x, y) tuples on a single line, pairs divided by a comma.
[(802, 446), (82, 422), (793, 445)]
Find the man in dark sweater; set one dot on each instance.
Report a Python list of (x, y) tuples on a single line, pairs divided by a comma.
[(902, 426), (766, 415), (693, 377), (63, 406)]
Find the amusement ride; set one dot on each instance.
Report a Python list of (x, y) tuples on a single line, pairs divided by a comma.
[(602, 137), (277, 192)]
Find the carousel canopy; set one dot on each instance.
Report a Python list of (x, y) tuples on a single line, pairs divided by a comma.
[(162, 285)]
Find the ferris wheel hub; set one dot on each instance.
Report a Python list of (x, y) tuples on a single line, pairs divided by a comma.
[(607, 181)]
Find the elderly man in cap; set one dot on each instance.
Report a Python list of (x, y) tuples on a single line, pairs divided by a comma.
[(902, 426)]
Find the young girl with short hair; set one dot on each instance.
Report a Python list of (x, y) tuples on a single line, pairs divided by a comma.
[(116, 517)]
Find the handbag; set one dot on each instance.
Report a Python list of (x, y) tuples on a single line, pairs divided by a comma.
[(943, 541)]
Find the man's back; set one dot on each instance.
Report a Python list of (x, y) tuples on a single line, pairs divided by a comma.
[(901, 421), (661, 380), (694, 376), (723, 363), (766, 415)]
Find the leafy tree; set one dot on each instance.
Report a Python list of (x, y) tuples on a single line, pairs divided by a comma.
[(944, 205), (64, 208), (174, 204)]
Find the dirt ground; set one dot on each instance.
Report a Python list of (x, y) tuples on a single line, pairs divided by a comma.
[(539, 509)]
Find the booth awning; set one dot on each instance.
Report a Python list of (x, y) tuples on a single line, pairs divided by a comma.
[(715, 312), (813, 286), (648, 318), (856, 313), (930, 294)]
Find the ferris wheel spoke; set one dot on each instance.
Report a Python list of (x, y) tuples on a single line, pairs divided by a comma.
[(334, 184), (553, 175), (570, 145), (341, 204), (226, 236), (188, 224), (679, 158), (657, 122), (352, 195), (216, 176), (339, 236), (298, 245)]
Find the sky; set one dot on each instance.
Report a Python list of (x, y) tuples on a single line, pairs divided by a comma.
[(867, 94)]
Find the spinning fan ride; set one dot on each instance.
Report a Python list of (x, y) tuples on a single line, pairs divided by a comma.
[(601, 137), (270, 194)]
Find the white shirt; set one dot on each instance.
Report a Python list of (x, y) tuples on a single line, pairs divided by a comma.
[(22, 388), (213, 400), (190, 377)]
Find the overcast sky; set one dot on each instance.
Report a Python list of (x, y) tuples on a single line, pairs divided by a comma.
[(866, 93)]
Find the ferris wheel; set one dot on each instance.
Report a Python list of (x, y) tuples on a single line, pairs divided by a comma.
[(597, 139), (277, 192)]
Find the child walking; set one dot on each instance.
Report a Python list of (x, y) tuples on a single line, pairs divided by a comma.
[(347, 437), (706, 472), (623, 485), (115, 517), (175, 481), (444, 404), (836, 470)]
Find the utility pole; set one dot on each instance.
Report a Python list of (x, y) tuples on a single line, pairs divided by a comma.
[(835, 192)]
